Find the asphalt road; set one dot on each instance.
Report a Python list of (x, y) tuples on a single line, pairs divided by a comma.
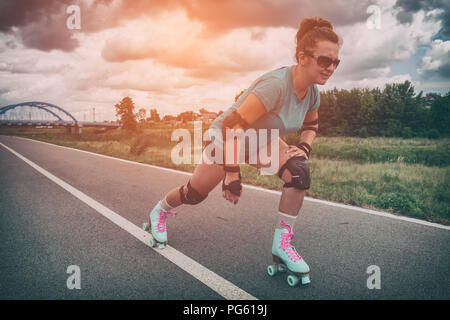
[(44, 229)]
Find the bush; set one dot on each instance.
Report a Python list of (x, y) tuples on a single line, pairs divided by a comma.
[(400, 202), (433, 134), (140, 143), (363, 132), (407, 133)]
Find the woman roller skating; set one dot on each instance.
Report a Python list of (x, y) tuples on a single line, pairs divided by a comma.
[(286, 99)]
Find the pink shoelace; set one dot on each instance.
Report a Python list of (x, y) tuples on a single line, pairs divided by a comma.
[(286, 243), (161, 226)]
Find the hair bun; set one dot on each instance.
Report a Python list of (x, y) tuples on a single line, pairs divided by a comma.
[(322, 24), (322, 30), (315, 23)]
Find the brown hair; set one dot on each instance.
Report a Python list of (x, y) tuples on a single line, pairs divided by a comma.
[(313, 30)]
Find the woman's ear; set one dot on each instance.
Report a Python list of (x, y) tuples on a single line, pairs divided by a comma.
[(301, 58)]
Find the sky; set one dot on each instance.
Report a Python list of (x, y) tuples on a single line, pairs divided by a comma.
[(180, 55)]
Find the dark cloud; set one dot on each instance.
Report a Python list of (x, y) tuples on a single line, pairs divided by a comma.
[(42, 24), (38, 24), (11, 44), (221, 16), (19, 12), (439, 74), (443, 73), (409, 7)]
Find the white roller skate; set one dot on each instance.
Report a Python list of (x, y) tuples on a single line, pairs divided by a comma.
[(286, 258), (157, 224)]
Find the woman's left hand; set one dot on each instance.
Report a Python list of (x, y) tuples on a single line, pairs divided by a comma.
[(294, 151)]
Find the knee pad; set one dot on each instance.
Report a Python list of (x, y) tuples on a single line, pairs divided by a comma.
[(299, 169), (192, 196)]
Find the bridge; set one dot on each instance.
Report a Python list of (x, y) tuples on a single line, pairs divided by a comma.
[(37, 113)]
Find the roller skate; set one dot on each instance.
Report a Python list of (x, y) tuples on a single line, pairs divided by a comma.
[(287, 259), (157, 226)]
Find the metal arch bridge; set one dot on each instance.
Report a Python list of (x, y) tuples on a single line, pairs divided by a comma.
[(48, 114)]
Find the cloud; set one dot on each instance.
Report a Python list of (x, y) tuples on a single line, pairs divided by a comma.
[(177, 43), (42, 24), (370, 82), (369, 53), (173, 56), (38, 24), (435, 64), (407, 8), (226, 15)]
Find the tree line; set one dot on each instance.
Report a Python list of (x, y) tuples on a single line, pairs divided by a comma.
[(395, 111), (131, 120)]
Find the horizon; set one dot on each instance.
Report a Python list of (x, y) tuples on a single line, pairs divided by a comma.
[(180, 56)]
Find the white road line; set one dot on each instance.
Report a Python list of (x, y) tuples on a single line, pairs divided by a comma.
[(329, 203), (220, 285)]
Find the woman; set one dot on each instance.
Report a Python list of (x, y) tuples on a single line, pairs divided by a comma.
[(286, 99)]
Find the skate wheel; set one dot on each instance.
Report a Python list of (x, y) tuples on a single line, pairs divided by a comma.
[(152, 243), (146, 226), (272, 270), (306, 280), (292, 280), (161, 246), (282, 268)]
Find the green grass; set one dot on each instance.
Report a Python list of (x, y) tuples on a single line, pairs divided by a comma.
[(407, 177), (393, 150)]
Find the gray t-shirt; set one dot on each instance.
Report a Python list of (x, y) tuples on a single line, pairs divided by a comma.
[(285, 110)]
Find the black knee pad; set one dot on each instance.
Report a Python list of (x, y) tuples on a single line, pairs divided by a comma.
[(299, 169), (192, 196)]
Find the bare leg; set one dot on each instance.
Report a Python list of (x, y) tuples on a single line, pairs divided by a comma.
[(291, 199), (204, 179)]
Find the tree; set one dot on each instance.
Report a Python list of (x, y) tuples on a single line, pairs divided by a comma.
[(402, 109), (168, 117), (154, 115), (394, 111), (125, 110), (186, 116), (328, 121), (439, 115), (141, 115), (368, 115)]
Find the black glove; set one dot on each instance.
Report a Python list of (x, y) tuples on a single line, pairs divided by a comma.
[(234, 187)]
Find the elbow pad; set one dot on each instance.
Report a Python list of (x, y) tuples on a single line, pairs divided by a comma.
[(312, 125), (233, 119)]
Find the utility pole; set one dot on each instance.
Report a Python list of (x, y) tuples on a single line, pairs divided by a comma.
[(93, 109)]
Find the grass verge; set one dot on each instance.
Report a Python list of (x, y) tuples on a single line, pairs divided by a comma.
[(387, 176)]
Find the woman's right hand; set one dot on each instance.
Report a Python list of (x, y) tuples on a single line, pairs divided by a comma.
[(230, 177)]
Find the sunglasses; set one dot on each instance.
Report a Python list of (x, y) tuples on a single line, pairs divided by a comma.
[(323, 61)]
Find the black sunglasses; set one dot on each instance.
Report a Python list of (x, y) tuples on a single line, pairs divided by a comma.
[(324, 61)]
